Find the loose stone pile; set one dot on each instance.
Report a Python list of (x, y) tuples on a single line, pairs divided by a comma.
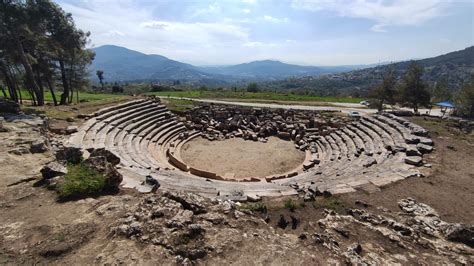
[(341, 155), (217, 122)]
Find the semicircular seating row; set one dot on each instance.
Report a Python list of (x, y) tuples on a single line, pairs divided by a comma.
[(147, 137)]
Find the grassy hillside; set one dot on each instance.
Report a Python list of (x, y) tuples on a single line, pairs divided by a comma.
[(268, 96)]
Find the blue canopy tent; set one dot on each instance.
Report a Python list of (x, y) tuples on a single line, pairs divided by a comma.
[(444, 106)]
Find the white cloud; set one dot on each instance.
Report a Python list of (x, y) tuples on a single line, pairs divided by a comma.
[(249, 1), (384, 13), (211, 9), (114, 33), (274, 20), (246, 11), (259, 44), (138, 28), (162, 25), (252, 44), (378, 28), (201, 32)]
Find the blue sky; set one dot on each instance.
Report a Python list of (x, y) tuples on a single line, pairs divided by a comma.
[(307, 32)]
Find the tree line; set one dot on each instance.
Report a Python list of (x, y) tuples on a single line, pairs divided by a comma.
[(410, 90), (41, 49)]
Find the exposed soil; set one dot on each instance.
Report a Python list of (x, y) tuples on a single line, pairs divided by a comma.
[(244, 158)]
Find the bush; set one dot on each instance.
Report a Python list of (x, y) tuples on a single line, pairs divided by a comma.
[(257, 207), (332, 203), (80, 181), (290, 204), (252, 87)]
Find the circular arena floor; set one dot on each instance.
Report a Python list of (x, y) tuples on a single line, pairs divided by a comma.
[(240, 158)]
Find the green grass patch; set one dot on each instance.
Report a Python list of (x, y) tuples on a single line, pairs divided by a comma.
[(332, 203), (292, 205), (83, 96), (80, 181), (255, 207), (179, 105), (60, 237), (269, 96)]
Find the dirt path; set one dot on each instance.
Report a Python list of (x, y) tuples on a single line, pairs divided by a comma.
[(316, 106), (244, 158)]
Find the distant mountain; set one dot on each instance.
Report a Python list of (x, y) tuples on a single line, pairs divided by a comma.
[(270, 69), (122, 64), (456, 67)]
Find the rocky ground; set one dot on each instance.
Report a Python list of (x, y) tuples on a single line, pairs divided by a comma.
[(420, 220)]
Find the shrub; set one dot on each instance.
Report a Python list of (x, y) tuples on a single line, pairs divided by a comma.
[(332, 203), (290, 204), (257, 207), (80, 181)]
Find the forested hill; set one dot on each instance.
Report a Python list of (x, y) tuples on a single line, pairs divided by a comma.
[(122, 64), (272, 69), (456, 68)]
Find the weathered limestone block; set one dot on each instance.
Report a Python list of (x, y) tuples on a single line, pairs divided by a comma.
[(423, 148), (53, 169), (414, 160)]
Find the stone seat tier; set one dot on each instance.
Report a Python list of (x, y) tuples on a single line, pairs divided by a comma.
[(181, 142), (328, 149), (77, 139), (323, 154), (350, 143), (119, 116), (126, 108), (127, 125), (367, 140), (380, 147), (342, 145), (154, 147), (359, 143), (334, 147), (406, 133), (115, 107), (414, 128), (390, 134)]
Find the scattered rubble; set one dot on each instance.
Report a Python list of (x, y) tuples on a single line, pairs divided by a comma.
[(53, 169), (70, 155), (218, 122), (104, 162), (40, 146), (9, 106)]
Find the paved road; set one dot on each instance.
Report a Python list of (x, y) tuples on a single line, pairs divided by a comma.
[(324, 106), (344, 107)]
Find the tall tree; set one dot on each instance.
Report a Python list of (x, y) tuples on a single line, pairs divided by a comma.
[(15, 28), (252, 87), (441, 91), (100, 76), (40, 45), (465, 98), (385, 92), (414, 91)]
